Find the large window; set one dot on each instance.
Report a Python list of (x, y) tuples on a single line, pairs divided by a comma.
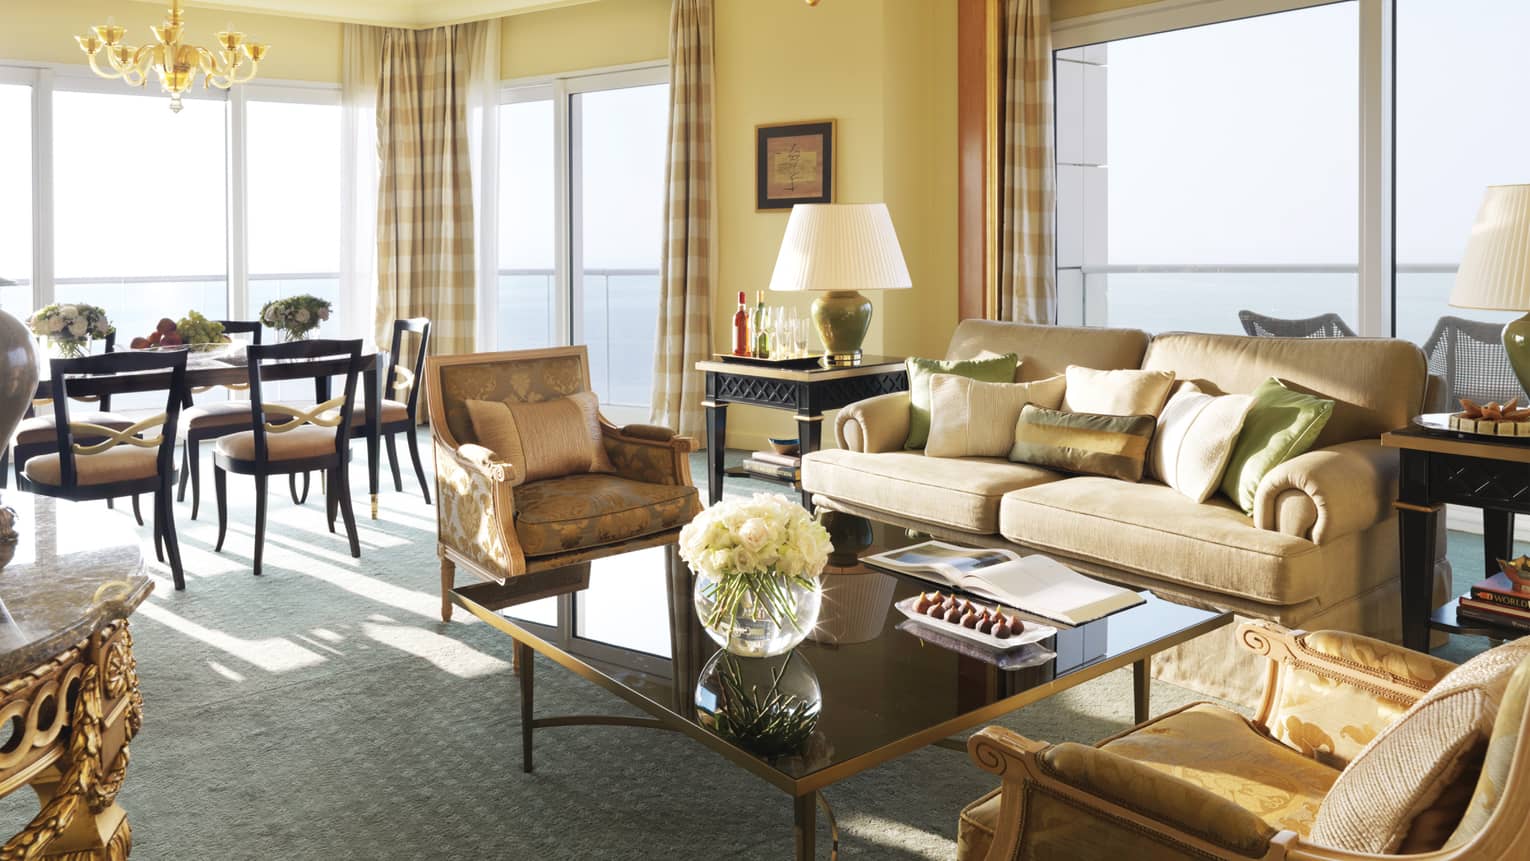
[(15, 197), (581, 180), (1207, 170)]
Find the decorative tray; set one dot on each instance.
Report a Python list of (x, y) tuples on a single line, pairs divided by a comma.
[(1440, 424), (812, 360), (1031, 632), (1029, 655)]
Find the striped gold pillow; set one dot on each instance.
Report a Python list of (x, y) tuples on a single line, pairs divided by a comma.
[(1112, 446)]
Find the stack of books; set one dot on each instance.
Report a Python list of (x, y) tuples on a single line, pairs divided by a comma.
[(768, 464), (1496, 600)]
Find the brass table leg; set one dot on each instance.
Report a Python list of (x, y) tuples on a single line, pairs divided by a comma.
[(1142, 681), (374, 506)]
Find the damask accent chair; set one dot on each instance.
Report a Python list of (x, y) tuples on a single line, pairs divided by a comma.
[(495, 524), (1360, 750)]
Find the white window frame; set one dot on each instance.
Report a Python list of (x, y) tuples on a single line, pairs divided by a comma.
[(1376, 213), (49, 78), (567, 244)]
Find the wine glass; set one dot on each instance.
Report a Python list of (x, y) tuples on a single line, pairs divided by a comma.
[(780, 341), (804, 336)]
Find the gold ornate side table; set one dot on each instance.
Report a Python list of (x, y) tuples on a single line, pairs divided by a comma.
[(69, 698)]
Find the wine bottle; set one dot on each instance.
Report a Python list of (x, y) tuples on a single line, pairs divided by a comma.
[(741, 326), (757, 327)]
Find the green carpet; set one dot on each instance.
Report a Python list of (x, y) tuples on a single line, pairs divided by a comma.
[(323, 711)]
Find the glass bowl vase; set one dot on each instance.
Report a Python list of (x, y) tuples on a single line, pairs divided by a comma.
[(757, 615)]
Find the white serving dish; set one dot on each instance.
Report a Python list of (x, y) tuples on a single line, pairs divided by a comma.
[(1034, 632)]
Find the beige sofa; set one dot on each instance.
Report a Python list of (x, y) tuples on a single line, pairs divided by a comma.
[(1319, 552)]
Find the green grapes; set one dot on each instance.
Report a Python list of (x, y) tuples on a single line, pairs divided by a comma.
[(196, 329)]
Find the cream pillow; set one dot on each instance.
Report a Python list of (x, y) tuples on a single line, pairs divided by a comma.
[(970, 418), (1116, 393), (1195, 438), (547, 439)]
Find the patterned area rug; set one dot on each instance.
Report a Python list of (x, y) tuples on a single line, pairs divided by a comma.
[(323, 711)]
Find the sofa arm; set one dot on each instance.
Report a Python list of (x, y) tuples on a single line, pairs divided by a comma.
[(651, 454), (475, 509), (1085, 796), (875, 424), (1330, 492), (1328, 693)]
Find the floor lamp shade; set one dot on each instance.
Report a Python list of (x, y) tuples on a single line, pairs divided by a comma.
[(1495, 268), (840, 249)]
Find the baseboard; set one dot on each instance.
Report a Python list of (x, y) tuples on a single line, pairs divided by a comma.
[(1465, 519)]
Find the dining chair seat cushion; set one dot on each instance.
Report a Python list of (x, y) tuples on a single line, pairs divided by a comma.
[(218, 414), (123, 463), (557, 515), (40, 429), (307, 441), (392, 411)]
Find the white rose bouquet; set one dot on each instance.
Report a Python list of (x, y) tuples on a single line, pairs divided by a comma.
[(295, 316), (70, 325), (751, 552)]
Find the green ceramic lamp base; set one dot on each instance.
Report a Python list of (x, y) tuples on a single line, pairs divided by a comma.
[(1516, 342), (842, 318)]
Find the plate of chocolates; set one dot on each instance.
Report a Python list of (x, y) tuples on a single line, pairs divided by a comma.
[(991, 626)]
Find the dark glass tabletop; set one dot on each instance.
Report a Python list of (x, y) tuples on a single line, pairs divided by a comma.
[(884, 685)]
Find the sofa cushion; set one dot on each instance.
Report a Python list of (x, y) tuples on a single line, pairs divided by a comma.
[(970, 418), (557, 515), (1222, 752), (1152, 528), (1046, 351), (1280, 426), (548, 439), (1376, 384), (988, 368), (1195, 438), (1116, 393), (960, 493), (1112, 445)]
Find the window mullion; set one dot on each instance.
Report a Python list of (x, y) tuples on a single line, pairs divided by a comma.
[(567, 253), (238, 222), (42, 189), (1377, 145)]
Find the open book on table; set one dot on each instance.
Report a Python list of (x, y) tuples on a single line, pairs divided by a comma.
[(1036, 584)]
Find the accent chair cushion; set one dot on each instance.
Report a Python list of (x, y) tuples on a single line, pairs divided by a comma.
[(391, 411), (1282, 424), (1395, 789), (974, 829), (989, 369), (956, 493), (217, 414), (1195, 438), (558, 515), (1086, 443), (1498, 760), (121, 463), (548, 439), (970, 418), (305, 441), (39, 429), (1116, 393), (1222, 752)]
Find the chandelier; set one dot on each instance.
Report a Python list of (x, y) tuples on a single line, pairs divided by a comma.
[(175, 64)]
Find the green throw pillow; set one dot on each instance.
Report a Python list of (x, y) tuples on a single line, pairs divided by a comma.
[(998, 369), (1281, 425), (1083, 443)]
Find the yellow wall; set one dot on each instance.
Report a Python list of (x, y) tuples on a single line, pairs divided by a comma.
[(590, 36), (43, 31), (885, 72)]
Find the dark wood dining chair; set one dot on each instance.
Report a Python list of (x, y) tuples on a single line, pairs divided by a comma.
[(303, 440), (92, 461), (35, 434), (400, 416), (212, 420)]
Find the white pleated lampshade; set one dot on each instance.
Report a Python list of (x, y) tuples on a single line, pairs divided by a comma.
[(1495, 269), (840, 246)]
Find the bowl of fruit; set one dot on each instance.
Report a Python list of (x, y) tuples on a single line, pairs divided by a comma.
[(192, 332)]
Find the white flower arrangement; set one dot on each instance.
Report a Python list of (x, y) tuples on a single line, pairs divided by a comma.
[(752, 550), (295, 316), (70, 325)]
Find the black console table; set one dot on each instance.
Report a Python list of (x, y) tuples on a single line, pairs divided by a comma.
[(807, 392)]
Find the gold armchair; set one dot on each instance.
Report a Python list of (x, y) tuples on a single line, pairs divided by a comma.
[(1206, 783), (494, 523)]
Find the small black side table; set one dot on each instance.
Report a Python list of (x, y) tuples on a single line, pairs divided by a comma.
[(1480, 472), (805, 391)]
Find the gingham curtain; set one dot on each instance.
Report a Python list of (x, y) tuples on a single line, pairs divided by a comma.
[(425, 234), (687, 267), (1027, 237)]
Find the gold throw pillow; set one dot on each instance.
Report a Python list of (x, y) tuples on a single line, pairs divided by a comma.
[(1116, 393), (547, 439), (1112, 446), (971, 418)]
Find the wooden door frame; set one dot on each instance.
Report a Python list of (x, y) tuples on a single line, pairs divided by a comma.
[(978, 142)]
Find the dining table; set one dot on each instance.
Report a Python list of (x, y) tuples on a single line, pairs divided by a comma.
[(209, 370)]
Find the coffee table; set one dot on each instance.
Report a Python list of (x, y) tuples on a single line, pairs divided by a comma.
[(628, 624)]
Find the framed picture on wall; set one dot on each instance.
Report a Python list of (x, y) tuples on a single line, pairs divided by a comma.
[(793, 163)]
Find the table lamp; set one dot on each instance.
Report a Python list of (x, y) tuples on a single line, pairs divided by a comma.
[(840, 249), (1495, 269)]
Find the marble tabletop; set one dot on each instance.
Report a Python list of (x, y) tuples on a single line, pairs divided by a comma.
[(75, 566)]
